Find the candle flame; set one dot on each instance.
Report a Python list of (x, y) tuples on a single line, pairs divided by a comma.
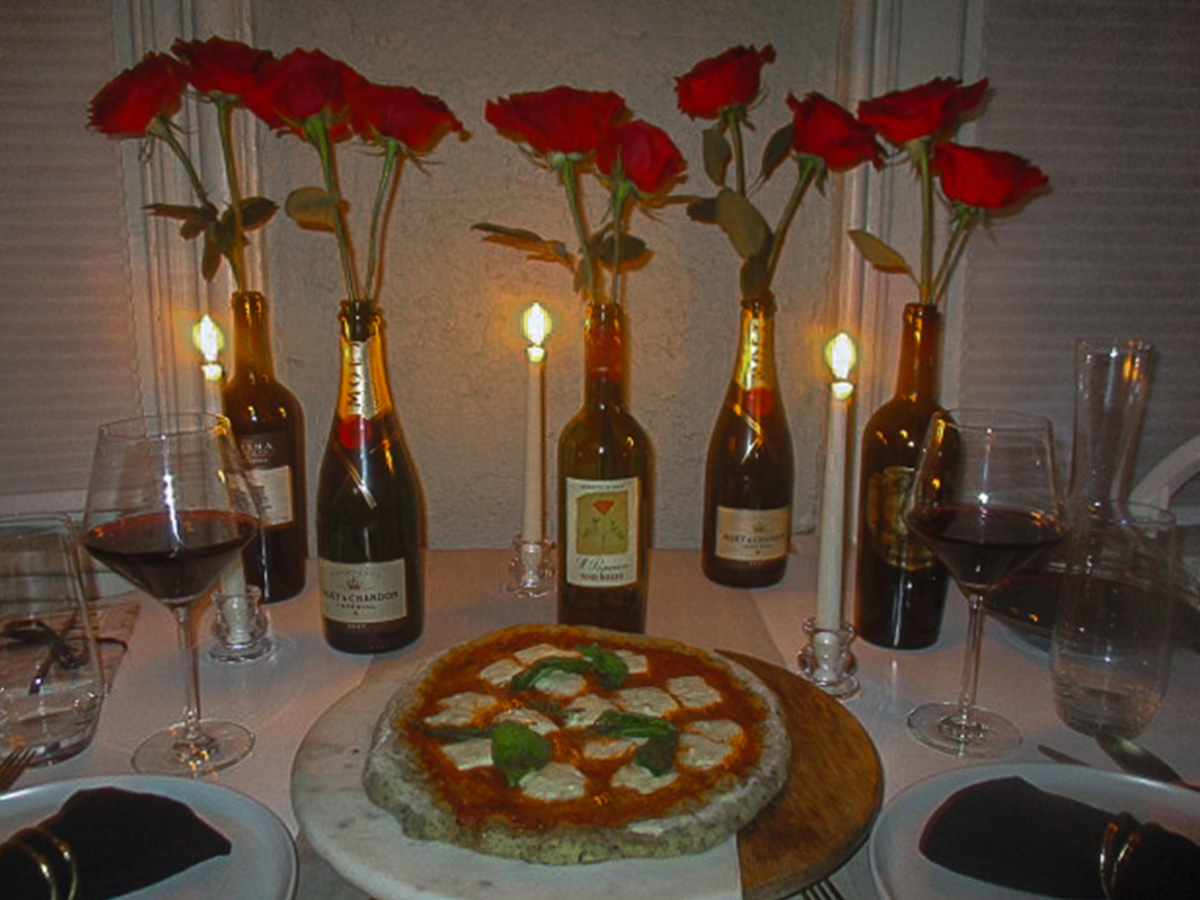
[(840, 355), (535, 322), (208, 338)]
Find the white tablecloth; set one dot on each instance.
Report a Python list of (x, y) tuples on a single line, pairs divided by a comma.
[(279, 698)]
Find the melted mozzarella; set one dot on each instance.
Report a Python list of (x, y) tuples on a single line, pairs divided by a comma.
[(636, 662), (699, 752), (608, 747), (693, 691), (501, 671), (717, 729), (555, 781), (649, 701), (530, 718), (530, 655), (469, 754), (461, 709), (638, 779), (562, 684), (585, 710)]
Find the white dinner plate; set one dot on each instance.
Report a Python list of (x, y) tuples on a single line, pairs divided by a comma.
[(262, 865), (902, 873)]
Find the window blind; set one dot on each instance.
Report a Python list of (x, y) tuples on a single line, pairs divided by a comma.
[(1104, 96), (68, 357)]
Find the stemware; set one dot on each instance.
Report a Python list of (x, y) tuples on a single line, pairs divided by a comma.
[(986, 499), (168, 508)]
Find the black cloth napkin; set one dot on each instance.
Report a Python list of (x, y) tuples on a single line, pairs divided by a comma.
[(120, 841), (1011, 833)]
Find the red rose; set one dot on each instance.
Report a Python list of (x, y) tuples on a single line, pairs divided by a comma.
[(822, 128), (218, 66), (127, 105), (987, 179), (560, 120), (302, 85), (645, 153), (418, 121), (731, 79), (922, 111)]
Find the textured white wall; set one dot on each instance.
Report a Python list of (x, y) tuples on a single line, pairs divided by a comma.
[(453, 302)]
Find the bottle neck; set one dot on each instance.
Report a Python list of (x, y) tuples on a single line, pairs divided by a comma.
[(251, 337), (364, 391), (920, 352), (754, 366), (604, 355)]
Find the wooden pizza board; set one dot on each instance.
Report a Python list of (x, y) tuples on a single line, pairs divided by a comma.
[(832, 796)]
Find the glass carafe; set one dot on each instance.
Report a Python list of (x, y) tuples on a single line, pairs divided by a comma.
[(1112, 387)]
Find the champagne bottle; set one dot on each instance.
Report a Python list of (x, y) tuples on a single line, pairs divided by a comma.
[(269, 427), (749, 471), (901, 584), (604, 491), (370, 518)]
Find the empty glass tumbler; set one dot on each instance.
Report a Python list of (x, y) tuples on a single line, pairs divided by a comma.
[(1111, 651), (51, 684)]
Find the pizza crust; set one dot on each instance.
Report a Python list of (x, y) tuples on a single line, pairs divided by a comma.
[(396, 780)]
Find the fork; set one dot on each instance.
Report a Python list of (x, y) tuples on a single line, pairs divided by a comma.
[(821, 890), (13, 765)]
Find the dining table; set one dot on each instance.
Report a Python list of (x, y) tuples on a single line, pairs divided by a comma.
[(279, 697)]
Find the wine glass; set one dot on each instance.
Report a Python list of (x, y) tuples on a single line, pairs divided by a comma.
[(986, 500), (168, 508)]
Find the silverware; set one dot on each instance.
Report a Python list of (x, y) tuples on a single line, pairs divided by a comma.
[(13, 765), (1059, 757), (821, 890), (1137, 760)]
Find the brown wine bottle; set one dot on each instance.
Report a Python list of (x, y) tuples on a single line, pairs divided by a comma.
[(268, 424), (604, 491), (749, 472), (901, 584), (370, 513)]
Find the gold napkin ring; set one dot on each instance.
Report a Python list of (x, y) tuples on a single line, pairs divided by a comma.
[(1122, 836), (22, 840), (43, 865)]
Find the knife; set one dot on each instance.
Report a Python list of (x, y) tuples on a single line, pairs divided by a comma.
[(1059, 757)]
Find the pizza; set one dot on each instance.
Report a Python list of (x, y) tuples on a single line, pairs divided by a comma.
[(565, 744)]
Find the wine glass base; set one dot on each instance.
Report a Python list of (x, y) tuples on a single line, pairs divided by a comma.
[(172, 752), (985, 734)]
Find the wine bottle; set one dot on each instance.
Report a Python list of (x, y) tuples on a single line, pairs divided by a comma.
[(370, 517), (901, 584), (749, 471), (604, 491), (268, 425)]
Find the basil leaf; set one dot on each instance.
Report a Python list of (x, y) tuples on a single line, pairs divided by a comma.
[(610, 668), (517, 751), (523, 681), (635, 725), (657, 755)]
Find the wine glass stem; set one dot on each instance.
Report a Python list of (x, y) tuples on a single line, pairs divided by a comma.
[(970, 672), (185, 620)]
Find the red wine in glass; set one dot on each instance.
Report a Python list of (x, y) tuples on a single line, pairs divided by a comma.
[(986, 500), (983, 545), (171, 558), (169, 506)]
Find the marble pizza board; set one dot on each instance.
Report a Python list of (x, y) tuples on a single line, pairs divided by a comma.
[(791, 844)]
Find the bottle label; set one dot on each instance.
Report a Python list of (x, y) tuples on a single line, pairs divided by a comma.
[(270, 476), (753, 535), (602, 532), (887, 493), (362, 593)]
